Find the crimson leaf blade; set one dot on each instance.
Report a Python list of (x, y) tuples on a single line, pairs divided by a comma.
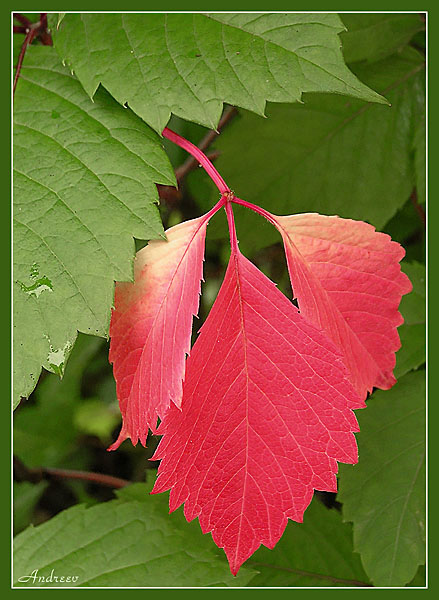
[(348, 282), (151, 327), (265, 416)]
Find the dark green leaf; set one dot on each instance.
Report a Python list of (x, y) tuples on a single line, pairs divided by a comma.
[(384, 495), (84, 185), (420, 165), (189, 64), (26, 495), (412, 332), (374, 36), (329, 155), (317, 552)]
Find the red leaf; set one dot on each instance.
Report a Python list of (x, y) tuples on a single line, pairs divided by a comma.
[(264, 418), (151, 327), (348, 282)]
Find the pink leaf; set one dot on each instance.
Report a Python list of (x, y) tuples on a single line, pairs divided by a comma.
[(348, 282), (151, 327), (266, 414)]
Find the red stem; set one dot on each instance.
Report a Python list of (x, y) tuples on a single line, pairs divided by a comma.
[(199, 156), (231, 223), (221, 202), (27, 40), (99, 478), (22, 19), (256, 209)]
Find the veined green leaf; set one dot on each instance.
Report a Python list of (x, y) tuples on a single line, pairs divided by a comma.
[(129, 542), (189, 64)]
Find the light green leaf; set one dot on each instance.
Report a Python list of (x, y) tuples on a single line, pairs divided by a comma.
[(93, 417), (128, 542), (190, 64), (84, 186), (44, 431), (330, 155), (384, 495), (374, 36), (317, 552), (412, 332)]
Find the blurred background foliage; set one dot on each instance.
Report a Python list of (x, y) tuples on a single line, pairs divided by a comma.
[(68, 423)]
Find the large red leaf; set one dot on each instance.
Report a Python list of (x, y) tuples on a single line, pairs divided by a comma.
[(266, 414), (347, 280), (151, 327)]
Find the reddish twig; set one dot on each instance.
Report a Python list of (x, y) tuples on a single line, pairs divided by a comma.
[(27, 40), (99, 478), (33, 30), (20, 29), (171, 194), (23, 473), (22, 19), (191, 163)]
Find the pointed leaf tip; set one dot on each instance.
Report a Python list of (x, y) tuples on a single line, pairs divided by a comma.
[(265, 417), (347, 280), (151, 327)]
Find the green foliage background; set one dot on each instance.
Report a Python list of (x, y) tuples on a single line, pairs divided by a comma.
[(85, 198)]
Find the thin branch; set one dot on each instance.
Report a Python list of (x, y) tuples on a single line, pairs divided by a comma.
[(169, 193), (347, 582), (191, 163), (20, 29), (27, 40), (99, 478), (24, 473), (22, 19), (32, 30)]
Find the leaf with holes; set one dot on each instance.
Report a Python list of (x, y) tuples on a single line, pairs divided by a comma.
[(84, 186), (265, 416), (190, 64)]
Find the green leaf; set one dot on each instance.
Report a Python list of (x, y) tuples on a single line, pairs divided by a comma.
[(26, 496), (412, 332), (189, 64), (329, 155), (317, 552), (384, 495), (93, 417), (374, 36), (44, 432), (419, 579), (128, 542), (84, 186), (419, 143)]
